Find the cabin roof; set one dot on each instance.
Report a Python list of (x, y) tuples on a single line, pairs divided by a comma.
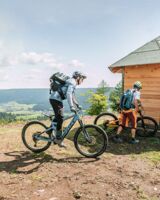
[(149, 53)]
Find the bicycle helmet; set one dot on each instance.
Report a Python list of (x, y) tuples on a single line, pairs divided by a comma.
[(137, 85), (77, 74)]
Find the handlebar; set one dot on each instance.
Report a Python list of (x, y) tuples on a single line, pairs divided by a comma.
[(141, 113)]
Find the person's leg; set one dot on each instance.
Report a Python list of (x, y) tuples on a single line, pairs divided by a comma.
[(59, 121), (133, 120), (133, 132), (54, 107), (54, 120), (120, 128), (58, 110)]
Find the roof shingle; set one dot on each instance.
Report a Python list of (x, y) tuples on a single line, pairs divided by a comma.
[(147, 54)]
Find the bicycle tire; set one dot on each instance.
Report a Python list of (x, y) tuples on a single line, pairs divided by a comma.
[(99, 119), (24, 132), (98, 136), (152, 127)]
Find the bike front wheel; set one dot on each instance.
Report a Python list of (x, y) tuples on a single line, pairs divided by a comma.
[(35, 138), (90, 141), (108, 121), (146, 127)]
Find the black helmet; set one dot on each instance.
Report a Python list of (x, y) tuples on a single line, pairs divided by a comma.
[(77, 74)]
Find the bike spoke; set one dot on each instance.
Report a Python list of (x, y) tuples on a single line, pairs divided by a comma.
[(91, 142), (146, 127), (108, 122), (35, 138)]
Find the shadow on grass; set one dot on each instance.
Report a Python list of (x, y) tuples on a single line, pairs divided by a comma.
[(24, 159), (147, 144), (150, 144)]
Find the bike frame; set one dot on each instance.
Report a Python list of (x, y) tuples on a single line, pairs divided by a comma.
[(75, 118), (66, 131)]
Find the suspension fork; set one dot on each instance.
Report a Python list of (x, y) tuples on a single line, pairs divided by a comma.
[(143, 125), (85, 133)]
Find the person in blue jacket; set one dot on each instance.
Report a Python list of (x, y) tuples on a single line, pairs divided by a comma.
[(57, 102)]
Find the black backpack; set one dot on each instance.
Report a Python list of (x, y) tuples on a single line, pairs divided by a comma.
[(126, 101), (57, 81)]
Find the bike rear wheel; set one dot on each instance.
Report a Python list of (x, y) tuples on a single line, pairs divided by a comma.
[(33, 139), (108, 121), (146, 127), (93, 144)]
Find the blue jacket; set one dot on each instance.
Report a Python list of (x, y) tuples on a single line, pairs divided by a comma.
[(68, 91)]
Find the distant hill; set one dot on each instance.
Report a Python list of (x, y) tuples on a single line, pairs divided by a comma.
[(40, 97)]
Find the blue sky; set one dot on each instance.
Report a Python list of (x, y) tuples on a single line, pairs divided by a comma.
[(40, 37)]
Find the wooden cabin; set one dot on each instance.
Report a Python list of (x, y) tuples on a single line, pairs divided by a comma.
[(143, 65)]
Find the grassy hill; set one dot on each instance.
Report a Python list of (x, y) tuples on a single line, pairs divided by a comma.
[(27, 104), (39, 97)]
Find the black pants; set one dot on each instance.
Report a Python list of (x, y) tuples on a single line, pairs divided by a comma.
[(58, 111)]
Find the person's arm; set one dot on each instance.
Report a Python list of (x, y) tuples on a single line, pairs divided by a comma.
[(137, 102), (75, 100), (136, 105), (140, 105), (69, 95)]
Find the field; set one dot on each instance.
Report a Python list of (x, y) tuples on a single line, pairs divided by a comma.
[(123, 172)]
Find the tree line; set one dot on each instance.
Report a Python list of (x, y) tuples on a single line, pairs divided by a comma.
[(99, 102), (7, 117)]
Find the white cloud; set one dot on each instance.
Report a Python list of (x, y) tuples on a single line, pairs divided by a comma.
[(35, 70), (32, 69), (1, 70), (8, 61), (3, 75), (4, 78), (31, 76), (31, 58), (34, 58), (76, 63)]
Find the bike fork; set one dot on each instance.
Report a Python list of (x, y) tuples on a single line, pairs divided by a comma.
[(143, 124), (85, 133)]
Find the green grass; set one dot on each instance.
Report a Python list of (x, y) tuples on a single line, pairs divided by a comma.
[(14, 106), (152, 156), (23, 112), (152, 150), (29, 116)]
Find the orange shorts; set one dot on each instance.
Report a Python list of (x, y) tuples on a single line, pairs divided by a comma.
[(128, 116)]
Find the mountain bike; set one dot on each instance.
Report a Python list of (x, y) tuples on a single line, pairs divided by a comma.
[(146, 126), (89, 140)]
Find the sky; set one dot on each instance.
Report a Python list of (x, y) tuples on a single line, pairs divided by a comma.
[(41, 37)]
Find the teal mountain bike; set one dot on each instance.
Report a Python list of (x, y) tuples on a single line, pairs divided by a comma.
[(89, 140)]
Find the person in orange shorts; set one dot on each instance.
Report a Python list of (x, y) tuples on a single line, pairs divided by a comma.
[(129, 106)]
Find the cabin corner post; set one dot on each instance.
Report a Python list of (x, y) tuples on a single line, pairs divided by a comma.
[(123, 70)]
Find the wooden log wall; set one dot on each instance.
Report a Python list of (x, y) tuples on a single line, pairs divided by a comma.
[(149, 75)]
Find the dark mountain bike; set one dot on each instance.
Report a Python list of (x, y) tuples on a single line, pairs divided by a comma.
[(89, 140), (146, 126)]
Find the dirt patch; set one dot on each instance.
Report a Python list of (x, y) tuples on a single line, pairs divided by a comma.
[(124, 172)]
